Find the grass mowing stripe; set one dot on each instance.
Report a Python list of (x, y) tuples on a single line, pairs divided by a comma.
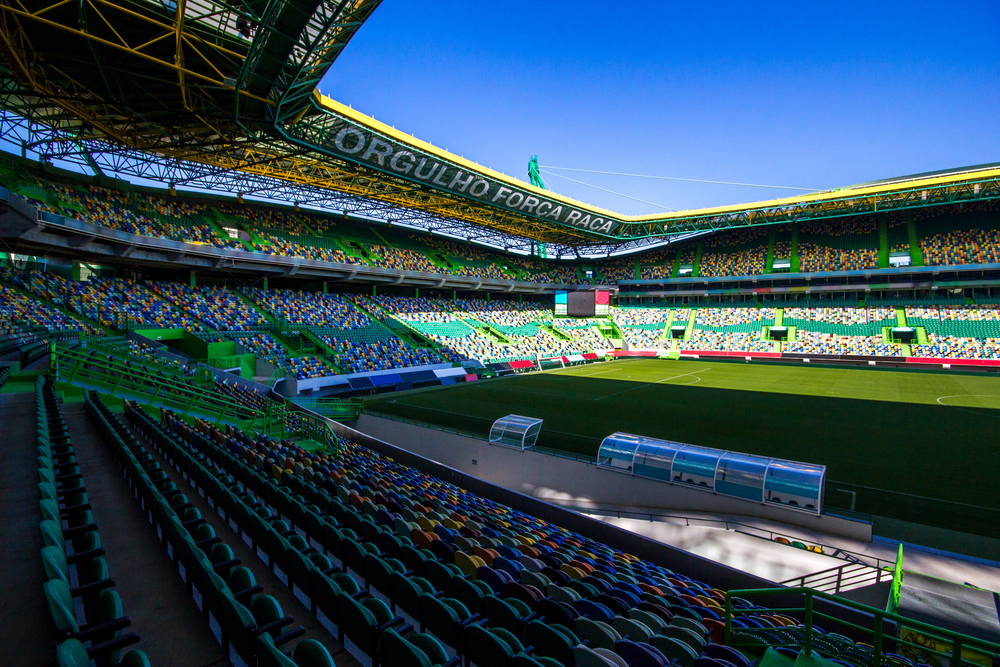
[(625, 391)]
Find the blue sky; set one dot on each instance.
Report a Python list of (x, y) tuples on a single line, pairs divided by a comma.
[(811, 95)]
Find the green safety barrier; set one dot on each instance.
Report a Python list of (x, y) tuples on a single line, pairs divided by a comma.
[(113, 375), (330, 407), (922, 640)]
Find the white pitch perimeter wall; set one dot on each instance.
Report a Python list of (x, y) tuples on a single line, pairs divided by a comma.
[(579, 484)]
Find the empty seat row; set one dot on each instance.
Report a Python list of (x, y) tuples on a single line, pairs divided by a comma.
[(85, 609), (454, 593), (252, 625)]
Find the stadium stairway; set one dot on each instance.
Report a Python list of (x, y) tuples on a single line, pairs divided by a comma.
[(23, 613), (162, 611), (690, 324), (242, 550)]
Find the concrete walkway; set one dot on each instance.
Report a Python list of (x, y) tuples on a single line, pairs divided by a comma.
[(779, 562)]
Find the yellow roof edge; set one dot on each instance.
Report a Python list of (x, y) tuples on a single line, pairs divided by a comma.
[(344, 110), (357, 116), (851, 193)]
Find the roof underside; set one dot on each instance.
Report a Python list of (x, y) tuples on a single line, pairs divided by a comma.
[(222, 96)]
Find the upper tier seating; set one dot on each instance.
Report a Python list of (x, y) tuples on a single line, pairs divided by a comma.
[(839, 244), (135, 213), (738, 253), (263, 229), (970, 235), (945, 235)]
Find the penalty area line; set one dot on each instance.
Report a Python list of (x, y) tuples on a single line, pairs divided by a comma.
[(647, 384)]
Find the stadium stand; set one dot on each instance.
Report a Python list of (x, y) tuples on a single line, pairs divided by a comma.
[(739, 253), (614, 273), (219, 308), (644, 328), (133, 212), (358, 333), (730, 329), (531, 587), (950, 236), (813, 342), (492, 331), (726, 341), (847, 244), (407, 567), (404, 568), (377, 355), (969, 332), (310, 308), (307, 235), (945, 235), (16, 307)]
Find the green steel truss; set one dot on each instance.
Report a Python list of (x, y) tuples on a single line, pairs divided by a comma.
[(222, 94)]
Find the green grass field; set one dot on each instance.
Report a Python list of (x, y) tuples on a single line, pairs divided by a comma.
[(881, 433)]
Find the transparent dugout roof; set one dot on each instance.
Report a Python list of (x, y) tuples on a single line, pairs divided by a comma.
[(516, 431), (748, 476)]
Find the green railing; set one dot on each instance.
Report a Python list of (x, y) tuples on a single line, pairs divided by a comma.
[(112, 375), (118, 346), (226, 362), (927, 641), (332, 408)]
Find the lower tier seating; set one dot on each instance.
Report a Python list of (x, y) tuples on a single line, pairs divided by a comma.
[(411, 570), (85, 609)]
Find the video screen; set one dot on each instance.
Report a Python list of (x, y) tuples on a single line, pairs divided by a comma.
[(581, 304)]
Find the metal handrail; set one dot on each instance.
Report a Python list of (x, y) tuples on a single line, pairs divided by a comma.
[(79, 365), (809, 613), (861, 573)]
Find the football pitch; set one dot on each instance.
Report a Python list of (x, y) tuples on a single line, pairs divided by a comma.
[(907, 443)]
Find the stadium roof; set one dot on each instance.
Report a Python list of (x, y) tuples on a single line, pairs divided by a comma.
[(219, 95)]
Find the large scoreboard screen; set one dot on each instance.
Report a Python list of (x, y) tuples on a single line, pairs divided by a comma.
[(583, 304)]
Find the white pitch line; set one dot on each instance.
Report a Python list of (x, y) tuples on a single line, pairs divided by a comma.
[(965, 396), (610, 370), (649, 383)]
